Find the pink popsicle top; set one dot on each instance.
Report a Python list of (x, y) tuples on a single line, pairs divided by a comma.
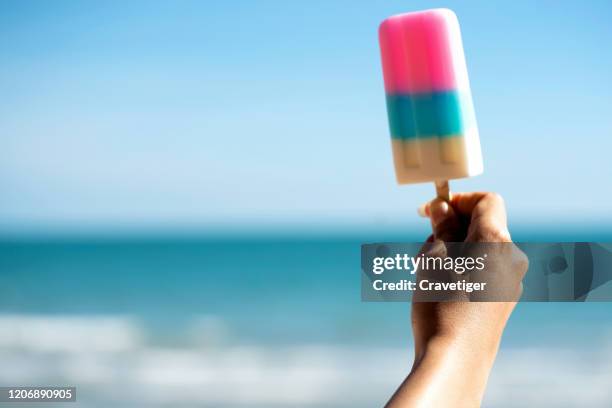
[(422, 52)]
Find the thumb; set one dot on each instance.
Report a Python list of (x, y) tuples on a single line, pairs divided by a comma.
[(445, 223)]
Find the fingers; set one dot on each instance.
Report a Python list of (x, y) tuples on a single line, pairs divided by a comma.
[(464, 203), (445, 224), (485, 211), (488, 221), (479, 204)]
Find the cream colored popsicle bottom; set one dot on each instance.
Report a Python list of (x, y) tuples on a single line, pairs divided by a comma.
[(432, 159)]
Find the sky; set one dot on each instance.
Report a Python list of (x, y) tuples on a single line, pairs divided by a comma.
[(235, 114)]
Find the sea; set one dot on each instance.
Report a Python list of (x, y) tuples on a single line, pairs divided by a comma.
[(248, 320)]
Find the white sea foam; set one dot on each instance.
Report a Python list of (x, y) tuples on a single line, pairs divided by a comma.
[(128, 369), (68, 333)]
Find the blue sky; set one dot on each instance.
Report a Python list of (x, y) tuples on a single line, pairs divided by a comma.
[(173, 114)]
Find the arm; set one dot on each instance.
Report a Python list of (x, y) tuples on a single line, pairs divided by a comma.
[(456, 342)]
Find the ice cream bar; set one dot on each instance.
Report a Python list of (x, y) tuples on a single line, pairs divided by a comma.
[(429, 104)]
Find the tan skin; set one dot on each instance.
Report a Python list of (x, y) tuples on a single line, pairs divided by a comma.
[(456, 342)]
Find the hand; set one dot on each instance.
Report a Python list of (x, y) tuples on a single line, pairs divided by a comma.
[(456, 342)]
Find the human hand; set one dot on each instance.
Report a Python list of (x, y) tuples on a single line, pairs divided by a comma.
[(474, 218), (456, 341)]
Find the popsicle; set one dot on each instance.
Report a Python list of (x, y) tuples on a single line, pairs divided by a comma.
[(433, 128)]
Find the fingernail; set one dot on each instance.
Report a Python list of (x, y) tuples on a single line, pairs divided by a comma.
[(422, 210), (439, 210)]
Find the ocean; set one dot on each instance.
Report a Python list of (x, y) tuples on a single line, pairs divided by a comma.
[(254, 321)]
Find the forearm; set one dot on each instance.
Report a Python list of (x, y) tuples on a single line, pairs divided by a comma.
[(446, 373)]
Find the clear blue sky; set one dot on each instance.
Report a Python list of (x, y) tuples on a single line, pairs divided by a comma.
[(198, 113)]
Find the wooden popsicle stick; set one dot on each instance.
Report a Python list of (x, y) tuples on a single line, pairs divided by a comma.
[(443, 190)]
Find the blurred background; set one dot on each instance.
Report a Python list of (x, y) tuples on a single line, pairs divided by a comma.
[(184, 188)]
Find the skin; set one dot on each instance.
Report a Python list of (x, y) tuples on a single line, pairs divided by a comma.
[(456, 342)]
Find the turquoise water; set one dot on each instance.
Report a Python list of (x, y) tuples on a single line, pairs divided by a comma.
[(265, 290)]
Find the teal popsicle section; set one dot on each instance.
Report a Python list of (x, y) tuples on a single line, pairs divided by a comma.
[(436, 114)]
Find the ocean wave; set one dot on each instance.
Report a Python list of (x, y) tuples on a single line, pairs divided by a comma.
[(114, 362), (41, 333)]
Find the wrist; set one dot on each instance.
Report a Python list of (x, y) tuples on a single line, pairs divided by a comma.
[(479, 353), (450, 372)]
